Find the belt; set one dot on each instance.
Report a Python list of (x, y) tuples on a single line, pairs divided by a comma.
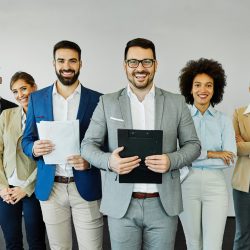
[(137, 195), (63, 179)]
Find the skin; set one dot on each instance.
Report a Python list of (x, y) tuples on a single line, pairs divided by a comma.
[(67, 64), (140, 81), (21, 91), (202, 91)]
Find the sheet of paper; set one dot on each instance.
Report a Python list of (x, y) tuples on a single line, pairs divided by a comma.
[(64, 135)]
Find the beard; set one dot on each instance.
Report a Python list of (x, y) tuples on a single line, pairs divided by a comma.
[(138, 85), (66, 81)]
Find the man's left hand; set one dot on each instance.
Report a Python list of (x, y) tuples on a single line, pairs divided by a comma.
[(158, 163), (78, 162)]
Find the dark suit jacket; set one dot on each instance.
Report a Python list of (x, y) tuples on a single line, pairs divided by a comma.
[(4, 104), (40, 108)]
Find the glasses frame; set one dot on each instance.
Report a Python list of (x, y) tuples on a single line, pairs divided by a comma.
[(140, 61)]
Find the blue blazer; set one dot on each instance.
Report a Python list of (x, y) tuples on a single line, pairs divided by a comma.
[(40, 108)]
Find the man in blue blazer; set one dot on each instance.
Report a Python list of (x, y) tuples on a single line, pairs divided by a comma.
[(72, 189)]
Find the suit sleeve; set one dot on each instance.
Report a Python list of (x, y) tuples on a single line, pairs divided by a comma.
[(189, 144), (30, 134), (95, 138), (3, 179), (243, 148)]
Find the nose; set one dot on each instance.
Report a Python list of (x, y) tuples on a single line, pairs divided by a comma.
[(19, 94), (140, 67)]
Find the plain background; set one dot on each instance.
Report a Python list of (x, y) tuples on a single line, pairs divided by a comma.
[(181, 30)]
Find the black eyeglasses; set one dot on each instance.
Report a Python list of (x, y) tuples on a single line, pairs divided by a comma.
[(146, 63)]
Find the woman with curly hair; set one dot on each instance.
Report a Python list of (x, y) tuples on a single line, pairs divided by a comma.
[(204, 191)]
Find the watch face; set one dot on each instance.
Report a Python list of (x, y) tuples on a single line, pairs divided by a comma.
[(1, 80)]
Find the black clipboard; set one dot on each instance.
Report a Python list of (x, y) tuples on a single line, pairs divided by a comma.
[(142, 143)]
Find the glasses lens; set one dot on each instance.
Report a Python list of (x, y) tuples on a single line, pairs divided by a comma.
[(147, 63), (133, 63)]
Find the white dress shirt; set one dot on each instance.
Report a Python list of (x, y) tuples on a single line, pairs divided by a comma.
[(143, 117), (63, 110)]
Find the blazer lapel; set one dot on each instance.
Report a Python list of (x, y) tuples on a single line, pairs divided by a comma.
[(159, 101), (83, 105), (17, 122), (124, 103), (49, 103)]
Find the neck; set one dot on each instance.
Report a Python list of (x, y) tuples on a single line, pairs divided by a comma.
[(202, 107), (140, 93), (64, 90)]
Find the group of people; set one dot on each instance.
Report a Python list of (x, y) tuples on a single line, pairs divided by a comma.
[(140, 215)]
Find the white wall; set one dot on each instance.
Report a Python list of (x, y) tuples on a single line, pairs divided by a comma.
[(181, 30)]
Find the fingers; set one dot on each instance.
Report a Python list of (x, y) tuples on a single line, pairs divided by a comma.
[(158, 163), (43, 147), (78, 162), (117, 150)]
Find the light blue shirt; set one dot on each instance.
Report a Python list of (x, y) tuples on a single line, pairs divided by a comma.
[(216, 133)]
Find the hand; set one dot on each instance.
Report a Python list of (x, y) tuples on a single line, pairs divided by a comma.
[(17, 193), (158, 163), (226, 156), (78, 162), (6, 195), (122, 165), (238, 138), (42, 147)]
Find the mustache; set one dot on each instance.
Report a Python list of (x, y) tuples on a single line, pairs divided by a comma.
[(141, 72), (67, 71)]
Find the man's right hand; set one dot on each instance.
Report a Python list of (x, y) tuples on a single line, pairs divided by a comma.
[(42, 147), (122, 165)]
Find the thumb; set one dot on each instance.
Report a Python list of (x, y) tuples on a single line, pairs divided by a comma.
[(118, 150)]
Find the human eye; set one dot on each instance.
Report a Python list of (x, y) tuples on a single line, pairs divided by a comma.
[(132, 63), (147, 62), (14, 92)]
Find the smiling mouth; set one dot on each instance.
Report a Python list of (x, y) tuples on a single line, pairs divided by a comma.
[(67, 74), (140, 76)]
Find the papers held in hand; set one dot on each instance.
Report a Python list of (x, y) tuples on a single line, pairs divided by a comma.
[(141, 143)]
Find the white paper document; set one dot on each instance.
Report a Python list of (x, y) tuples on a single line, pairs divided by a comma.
[(64, 135)]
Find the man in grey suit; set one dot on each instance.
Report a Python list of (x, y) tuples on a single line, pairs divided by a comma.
[(141, 215)]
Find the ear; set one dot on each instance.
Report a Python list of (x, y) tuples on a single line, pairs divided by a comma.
[(124, 65), (156, 65), (81, 64), (54, 63)]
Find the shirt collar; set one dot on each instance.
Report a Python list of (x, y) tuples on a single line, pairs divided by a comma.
[(194, 111), (150, 94), (77, 90), (247, 111)]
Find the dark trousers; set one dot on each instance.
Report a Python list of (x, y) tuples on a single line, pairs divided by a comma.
[(242, 213), (11, 224)]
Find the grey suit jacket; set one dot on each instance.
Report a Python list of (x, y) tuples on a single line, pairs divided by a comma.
[(172, 116)]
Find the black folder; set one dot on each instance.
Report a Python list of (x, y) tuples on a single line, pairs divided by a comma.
[(142, 143)]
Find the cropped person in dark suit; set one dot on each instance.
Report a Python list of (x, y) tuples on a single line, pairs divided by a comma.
[(71, 190), (5, 104), (18, 173)]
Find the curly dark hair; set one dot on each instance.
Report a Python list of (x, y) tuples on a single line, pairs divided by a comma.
[(207, 66)]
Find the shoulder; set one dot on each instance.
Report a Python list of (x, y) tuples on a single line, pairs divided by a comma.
[(7, 104), (240, 110), (91, 93), (7, 114), (115, 95), (170, 95), (41, 92)]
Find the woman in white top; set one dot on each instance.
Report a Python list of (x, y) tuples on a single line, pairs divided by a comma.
[(18, 173)]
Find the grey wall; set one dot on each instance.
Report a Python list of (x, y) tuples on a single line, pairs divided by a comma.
[(181, 30)]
